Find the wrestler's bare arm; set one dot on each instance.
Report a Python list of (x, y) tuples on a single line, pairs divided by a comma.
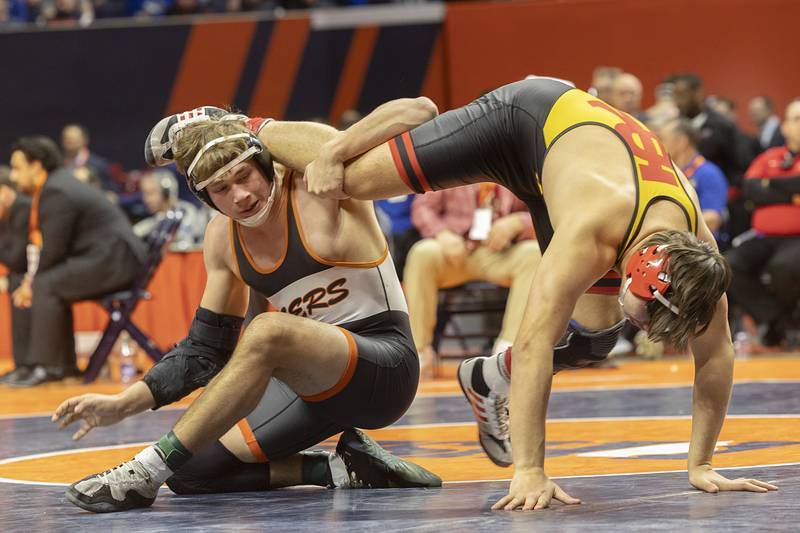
[(224, 294), (575, 259), (713, 357), (296, 144)]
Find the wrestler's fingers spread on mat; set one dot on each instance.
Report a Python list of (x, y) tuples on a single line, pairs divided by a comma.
[(543, 501), (563, 497), (515, 502), (764, 484), (502, 502), (745, 484)]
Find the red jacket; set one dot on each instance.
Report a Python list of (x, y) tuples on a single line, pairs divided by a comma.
[(453, 209), (778, 219)]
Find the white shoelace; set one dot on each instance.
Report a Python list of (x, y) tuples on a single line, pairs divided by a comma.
[(119, 474), (499, 415)]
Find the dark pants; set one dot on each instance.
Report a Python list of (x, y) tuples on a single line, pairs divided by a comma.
[(20, 326), (766, 277), (106, 268)]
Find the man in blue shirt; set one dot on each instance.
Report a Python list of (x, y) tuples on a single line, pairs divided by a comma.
[(680, 139)]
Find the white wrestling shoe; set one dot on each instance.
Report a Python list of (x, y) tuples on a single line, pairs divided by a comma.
[(490, 409), (124, 487)]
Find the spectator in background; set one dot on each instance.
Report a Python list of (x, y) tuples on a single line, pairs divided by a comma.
[(401, 233), (13, 12), (720, 142), (15, 211), (110, 8), (626, 95), (766, 275), (475, 232), (680, 140), (766, 122), (724, 106), (664, 109), (67, 12), (160, 194), (79, 247), (603, 82), (75, 143), (717, 134), (185, 7)]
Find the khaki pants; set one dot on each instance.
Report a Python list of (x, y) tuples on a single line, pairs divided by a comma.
[(427, 271)]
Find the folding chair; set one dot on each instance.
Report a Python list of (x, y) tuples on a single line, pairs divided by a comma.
[(121, 305), (474, 298)]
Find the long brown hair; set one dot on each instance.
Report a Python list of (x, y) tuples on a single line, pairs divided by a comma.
[(700, 276)]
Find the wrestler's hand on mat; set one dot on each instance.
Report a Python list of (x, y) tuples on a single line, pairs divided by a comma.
[(23, 296), (325, 176), (92, 410), (532, 490), (503, 231), (706, 479)]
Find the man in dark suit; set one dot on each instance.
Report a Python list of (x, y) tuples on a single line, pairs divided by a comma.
[(15, 210), (717, 135), (80, 246)]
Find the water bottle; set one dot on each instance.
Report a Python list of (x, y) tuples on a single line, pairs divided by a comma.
[(127, 365)]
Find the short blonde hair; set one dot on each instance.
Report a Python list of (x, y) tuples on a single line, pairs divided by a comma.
[(700, 276), (194, 136)]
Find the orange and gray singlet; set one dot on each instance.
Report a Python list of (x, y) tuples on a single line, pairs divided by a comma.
[(506, 135), (366, 302)]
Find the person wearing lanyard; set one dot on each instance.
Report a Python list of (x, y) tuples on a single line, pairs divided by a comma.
[(680, 139)]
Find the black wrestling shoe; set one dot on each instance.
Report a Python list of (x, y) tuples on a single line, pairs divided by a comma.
[(370, 466), (125, 487)]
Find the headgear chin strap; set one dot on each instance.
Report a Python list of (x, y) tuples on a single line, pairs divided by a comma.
[(259, 218), (647, 276)]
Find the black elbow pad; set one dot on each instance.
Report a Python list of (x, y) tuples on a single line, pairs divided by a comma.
[(196, 359)]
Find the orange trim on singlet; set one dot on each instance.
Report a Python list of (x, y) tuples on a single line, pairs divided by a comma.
[(346, 376), (251, 441), (412, 156), (330, 262), (398, 163), (280, 260), (236, 271)]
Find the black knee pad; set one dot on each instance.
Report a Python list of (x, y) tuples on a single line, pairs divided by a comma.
[(216, 470), (580, 346)]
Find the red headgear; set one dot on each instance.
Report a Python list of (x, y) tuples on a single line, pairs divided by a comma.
[(647, 275)]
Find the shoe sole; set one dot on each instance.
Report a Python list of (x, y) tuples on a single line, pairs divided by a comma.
[(502, 464), (104, 506)]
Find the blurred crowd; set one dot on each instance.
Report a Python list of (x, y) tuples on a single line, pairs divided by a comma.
[(84, 12), (747, 183)]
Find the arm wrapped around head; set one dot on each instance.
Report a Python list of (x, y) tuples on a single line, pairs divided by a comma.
[(196, 359)]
